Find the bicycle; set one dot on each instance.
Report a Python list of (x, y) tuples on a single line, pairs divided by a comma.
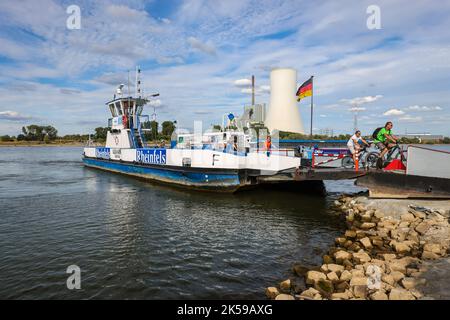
[(367, 159), (389, 156)]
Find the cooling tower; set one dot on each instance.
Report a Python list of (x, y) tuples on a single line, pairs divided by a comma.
[(284, 114)]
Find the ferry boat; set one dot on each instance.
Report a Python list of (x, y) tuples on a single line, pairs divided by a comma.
[(220, 161)]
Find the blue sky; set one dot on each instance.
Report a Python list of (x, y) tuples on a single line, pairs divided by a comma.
[(192, 52)]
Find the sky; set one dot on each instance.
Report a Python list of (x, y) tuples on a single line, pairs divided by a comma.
[(198, 53)]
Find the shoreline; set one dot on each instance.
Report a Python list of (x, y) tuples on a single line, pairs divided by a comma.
[(392, 249), (70, 144)]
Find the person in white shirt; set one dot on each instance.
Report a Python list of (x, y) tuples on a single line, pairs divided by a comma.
[(353, 144)]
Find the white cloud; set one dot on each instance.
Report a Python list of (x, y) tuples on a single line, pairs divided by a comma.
[(423, 108), (362, 100), (258, 90), (123, 12), (357, 109), (394, 112), (155, 103), (201, 46), (409, 118), (243, 82), (13, 116)]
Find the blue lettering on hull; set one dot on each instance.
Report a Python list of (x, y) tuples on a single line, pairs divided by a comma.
[(151, 156), (208, 180), (102, 153)]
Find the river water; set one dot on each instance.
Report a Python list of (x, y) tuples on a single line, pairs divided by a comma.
[(133, 239)]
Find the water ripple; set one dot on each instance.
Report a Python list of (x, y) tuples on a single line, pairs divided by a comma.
[(133, 239)]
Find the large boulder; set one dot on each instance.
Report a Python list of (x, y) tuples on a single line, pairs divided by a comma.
[(397, 275), (428, 255), (366, 243), (423, 227), (335, 268), (350, 234), (400, 294), (388, 256), (309, 293), (341, 295), (342, 255), (400, 247), (285, 286), (433, 247), (325, 287), (283, 296), (408, 283), (418, 214), (401, 264), (358, 273), (340, 241), (272, 292), (360, 291), (367, 225), (333, 277), (358, 281), (361, 257), (389, 279), (408, 217), (379, 295), (327, 259), (312, 277), (346, 276)]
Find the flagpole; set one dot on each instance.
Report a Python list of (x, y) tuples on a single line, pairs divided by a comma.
[(312, 100)]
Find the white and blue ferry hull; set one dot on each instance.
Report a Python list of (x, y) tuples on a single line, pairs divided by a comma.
[(196, 178), (197, 169)]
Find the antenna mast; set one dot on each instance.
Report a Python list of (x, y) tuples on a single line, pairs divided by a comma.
[(253, 90), (137, 92)]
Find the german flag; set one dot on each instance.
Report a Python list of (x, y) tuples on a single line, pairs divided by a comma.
[(305, 90)]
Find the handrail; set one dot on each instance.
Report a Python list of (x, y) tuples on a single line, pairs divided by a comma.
[(144, 142), (133, 138)]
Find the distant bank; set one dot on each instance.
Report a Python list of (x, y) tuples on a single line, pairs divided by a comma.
[(40, 144)]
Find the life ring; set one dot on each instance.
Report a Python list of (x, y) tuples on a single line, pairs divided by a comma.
[(124, 121)]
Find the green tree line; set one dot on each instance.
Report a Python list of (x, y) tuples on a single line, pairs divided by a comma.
[(48, 134)]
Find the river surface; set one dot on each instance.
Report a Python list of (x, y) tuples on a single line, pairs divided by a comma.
[(133, 239)]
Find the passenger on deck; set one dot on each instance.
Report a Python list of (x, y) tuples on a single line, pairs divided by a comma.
[(354, 144), (235, 144), (268, 145), (224, 142)]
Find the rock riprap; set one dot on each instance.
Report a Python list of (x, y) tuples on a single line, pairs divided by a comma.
[(379, 257)]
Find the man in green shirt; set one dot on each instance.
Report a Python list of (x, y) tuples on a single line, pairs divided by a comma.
[(385, 141)]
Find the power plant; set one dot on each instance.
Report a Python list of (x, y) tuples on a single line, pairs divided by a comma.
[(283, 114)]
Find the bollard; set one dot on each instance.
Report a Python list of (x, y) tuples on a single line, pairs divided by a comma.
[(356, 162)]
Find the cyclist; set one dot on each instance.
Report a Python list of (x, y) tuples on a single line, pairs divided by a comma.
[(354, 144), (385, 141)]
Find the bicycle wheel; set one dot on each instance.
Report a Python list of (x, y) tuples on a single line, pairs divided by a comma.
[(347, 162), (371, 159)]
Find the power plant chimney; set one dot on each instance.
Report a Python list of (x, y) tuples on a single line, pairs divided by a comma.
[(284, 114), (253, 90)]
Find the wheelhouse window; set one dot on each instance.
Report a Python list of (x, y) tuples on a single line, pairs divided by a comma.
[(128, 106), (113, 110), (118, 108)]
